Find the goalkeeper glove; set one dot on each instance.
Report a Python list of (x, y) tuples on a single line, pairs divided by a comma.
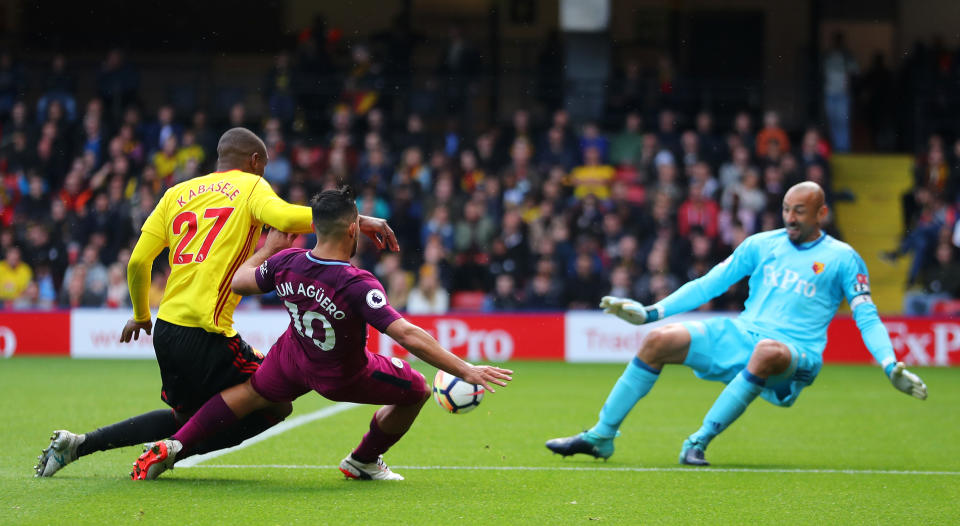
[(906, 381), (630, 311)]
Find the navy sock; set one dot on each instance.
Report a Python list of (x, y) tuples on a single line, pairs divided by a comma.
[(148, 427)]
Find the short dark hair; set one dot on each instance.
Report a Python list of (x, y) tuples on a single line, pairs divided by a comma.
[(333, 211)]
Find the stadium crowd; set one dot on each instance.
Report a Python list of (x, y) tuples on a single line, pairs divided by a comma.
[(931, 230), (531, 214)]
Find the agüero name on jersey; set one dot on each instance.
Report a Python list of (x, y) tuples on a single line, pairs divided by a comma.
[(287, 288)]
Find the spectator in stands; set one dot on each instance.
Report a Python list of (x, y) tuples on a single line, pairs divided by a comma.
[(743, 130), (439, 225), (412, 170), (941, 281), (555, 151), (35, 205), (165, 161), (471, 176), (697, 211), (59, 85), (117, 294), (371, 204), (658, 281), (543, 292), (702, 173), (278, 171), (428, 297), (593, 177), (690, 151), (839, 67), (118, 83), (667, 182), (398, 288), (458, 67), (668, 137), (621, 284), (586, 286), (711, 145), (745, 200), (627, 145), (73, 194), (521, 176), (924, 234), (504, 296), (11, 82), (278, 88), (15, 275), (772, 135)]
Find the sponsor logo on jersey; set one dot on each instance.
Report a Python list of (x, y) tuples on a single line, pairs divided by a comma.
[(375, 299), (789, 280), (263, 269), (817, 267), (863, 284)]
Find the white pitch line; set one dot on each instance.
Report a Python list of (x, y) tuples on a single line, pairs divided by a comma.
[(282, 427), (595, 469)]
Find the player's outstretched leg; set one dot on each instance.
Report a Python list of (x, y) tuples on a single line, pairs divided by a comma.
[(769, 358), (65, 447), (247, 427), (387, 426), (665, 345), (61, 451)]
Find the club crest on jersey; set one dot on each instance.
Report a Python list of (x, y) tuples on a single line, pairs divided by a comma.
[(375, 299), (817, 267)]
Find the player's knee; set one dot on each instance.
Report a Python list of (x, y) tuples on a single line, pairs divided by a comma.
[(772, 353), (654, 346), (424, 389), (281, 410)]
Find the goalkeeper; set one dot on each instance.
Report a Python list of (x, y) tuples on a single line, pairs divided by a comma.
[(798, 277)]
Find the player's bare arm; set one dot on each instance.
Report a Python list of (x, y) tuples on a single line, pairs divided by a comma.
[(425, 347), (380, 232), (244, 280)]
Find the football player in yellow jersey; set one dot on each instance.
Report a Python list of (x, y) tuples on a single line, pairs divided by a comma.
[(211, 225)]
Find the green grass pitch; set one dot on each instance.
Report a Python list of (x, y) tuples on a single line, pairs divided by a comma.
[(837, 457)]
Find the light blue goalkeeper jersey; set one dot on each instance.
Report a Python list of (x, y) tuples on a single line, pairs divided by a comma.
[(794, 290)]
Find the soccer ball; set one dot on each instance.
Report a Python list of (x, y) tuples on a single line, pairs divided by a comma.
[(454, 394)]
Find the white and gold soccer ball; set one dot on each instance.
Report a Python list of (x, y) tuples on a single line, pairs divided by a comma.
[(454, 394)]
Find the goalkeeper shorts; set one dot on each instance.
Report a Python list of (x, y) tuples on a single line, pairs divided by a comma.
[(721, 347)]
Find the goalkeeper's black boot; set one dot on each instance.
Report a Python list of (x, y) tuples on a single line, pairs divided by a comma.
[(586, 443)]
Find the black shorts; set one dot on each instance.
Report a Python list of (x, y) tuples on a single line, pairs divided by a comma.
[(196, 364)]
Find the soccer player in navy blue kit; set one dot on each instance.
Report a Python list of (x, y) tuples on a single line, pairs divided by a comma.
[(798, 277)]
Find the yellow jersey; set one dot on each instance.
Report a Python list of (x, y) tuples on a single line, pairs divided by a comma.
[(211, 224)]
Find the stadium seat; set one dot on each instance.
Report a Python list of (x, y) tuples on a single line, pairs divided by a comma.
[(468, 300), (946, 308)]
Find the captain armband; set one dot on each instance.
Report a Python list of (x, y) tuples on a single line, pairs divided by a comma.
[(860, 300)]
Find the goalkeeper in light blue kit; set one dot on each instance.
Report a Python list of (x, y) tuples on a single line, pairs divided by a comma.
[(798, 277)]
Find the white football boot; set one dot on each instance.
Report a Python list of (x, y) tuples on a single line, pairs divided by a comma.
[(377, 470), (61, 451), (156, 458)]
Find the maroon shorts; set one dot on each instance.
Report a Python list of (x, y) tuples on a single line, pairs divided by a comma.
[(384, 381)]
